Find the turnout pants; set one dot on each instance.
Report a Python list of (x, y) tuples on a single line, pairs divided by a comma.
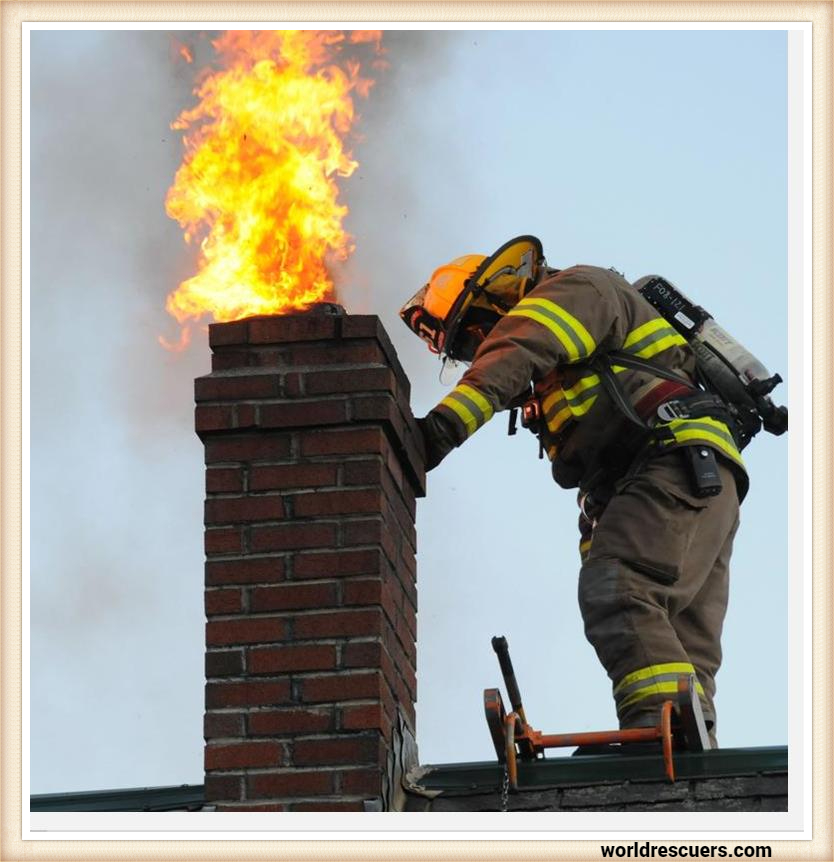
[(653, 587)]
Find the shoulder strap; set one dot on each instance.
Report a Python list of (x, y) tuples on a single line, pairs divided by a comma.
[(619, 357), (602, 365)]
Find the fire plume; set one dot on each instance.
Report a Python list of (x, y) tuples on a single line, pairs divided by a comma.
[(258, 187)]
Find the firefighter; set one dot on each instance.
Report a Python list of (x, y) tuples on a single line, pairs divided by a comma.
[(659, 494)]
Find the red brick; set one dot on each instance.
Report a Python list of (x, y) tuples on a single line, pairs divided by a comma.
[(303, 414), (329, 565), (403, 661), (224, 663), (286, 659), (225, 788), (326, 806), (293, 597), (250, 447), (248, 806), (337, 687), (372, 531), (245, 571), (223, 602), (214, 417), (400, 494), (239, 755), (246, 416), (231, 694), (245, 631), (293, 783), (352, 751), (365, 352), (231, 510), (336, 624), (362, 781), (379, 408), (408, 620), (367, 591), (237, 387), (276, 329), (348, 380), (225, 359), (224, 480), (293, 536), (225, 541), (354, 326), (362, 654), (280, 477), (275, 722), (354, 441), (235, 332), (366, 716), (363, 472), (222, 725), (362, 502), (362, 326), (370, 591)]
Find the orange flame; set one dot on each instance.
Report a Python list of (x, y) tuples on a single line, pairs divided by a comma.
[(257, 188)]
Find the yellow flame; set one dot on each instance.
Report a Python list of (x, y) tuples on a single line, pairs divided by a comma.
[(264, 148)]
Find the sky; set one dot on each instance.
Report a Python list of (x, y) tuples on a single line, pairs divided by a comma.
[(649, 151)]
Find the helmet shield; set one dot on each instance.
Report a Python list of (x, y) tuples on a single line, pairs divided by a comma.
[(422, 322)]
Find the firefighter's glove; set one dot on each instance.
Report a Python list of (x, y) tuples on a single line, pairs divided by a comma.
[(436, 444)]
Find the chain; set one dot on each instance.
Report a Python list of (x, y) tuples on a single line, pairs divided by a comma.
[(505, 789)]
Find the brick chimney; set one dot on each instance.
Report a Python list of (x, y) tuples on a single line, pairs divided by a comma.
[(310, 584)]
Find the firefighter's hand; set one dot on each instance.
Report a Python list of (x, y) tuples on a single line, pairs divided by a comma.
[(433, 446)]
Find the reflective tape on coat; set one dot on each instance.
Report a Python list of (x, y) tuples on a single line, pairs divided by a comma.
[(467, 407), (568, 330), (652, 338), (710, 432)]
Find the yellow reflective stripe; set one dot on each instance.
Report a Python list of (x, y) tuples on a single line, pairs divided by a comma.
[(709, 430), (584, 407), (658, 346), (552, 399), (654, 670), (465, 415), (581, 385), (478, 399), (469, 405), (561, 335), (584, 546), (654, 688), (554, 423), (652, 338), (570, 332), (642, 331)]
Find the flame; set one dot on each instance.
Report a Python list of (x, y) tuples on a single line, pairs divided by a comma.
[(264, 149)]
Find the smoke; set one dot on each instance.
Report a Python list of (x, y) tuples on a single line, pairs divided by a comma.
[(412, 177), (116, 477), (116, 470)]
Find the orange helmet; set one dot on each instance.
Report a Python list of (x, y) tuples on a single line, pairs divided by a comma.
[(447, 283)]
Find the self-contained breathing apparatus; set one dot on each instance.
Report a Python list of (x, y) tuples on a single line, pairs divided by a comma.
[(723, 366)]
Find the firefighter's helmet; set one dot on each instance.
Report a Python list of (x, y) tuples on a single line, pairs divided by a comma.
[(455, 310)]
